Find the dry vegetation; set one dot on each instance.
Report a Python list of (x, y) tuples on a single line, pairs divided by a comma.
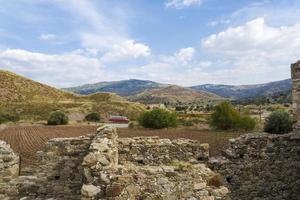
[(35, 101)]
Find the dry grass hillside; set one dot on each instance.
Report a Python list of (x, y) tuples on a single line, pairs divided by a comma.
[(174, 94), (15, 88), (35, 101)]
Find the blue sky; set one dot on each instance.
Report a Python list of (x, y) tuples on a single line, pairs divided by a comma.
[(186, 42)]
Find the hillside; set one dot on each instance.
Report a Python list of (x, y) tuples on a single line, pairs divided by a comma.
[(248, 92), (123, 88), (174, 94), (32, 100), (15, 88)]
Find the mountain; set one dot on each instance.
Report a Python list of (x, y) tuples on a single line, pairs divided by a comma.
[(173, 94), (32, 100), (278, 91), (123, 88), (246, 92)]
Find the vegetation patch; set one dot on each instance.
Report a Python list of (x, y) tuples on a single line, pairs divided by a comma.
[(158, 119), (226, 117), (93, 117), (279, 122), (58, 118)]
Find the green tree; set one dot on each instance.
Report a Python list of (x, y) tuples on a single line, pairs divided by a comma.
[(226, 117), (157, 119), (279, 122), (93, 117), (58, 118)]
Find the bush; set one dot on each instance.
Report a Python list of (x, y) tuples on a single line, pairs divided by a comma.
[(93, 117), (225, 117), (279, 122), (58, 118), (8, 118), (157, 119), (247, 123)]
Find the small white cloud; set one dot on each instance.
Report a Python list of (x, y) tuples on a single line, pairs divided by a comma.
[(180, 4), (47, 37), (185, 55), (126, 50)]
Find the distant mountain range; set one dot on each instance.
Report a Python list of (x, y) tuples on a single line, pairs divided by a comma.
[(122, 88), (246, 92), (174, 94), (139, 90)]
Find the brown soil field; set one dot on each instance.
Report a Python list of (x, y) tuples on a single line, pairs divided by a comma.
[(27, 140)]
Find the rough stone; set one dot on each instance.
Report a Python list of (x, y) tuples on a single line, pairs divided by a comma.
[(90, 191)]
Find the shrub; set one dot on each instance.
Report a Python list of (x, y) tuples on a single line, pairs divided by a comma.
[(58, 118), (157, 119), (247, 123), (9, 118), (225, 117), (279, 122), (93, 117)]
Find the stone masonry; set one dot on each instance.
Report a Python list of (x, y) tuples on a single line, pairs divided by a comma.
[(295, 69), (262, 166), (101, 166)]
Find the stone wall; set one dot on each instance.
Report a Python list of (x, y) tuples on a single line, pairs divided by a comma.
[(61, 167), (9, 170), (295, 69), (149, 177), (101, 166), (262, 167), (155, 151)]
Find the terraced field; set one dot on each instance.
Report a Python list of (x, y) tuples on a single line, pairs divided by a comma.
[(27, 140)]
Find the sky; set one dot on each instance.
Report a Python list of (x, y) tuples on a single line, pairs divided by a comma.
[(67, 43)]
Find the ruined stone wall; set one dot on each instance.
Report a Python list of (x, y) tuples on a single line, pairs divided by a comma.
[(155, 151), (59, 171), (262, 167), (101, 166), (149, 177), (61, 167), (9, 170), (295, 69)]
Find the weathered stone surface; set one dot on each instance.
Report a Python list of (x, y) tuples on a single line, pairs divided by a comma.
[(153, 151), (262, 166), (90, 191)]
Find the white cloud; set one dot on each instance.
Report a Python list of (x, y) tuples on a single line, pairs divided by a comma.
[(254, 50), (185, 54), (47, 37), (253, 37), (58, 70), (125, 50), (180, 4)]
